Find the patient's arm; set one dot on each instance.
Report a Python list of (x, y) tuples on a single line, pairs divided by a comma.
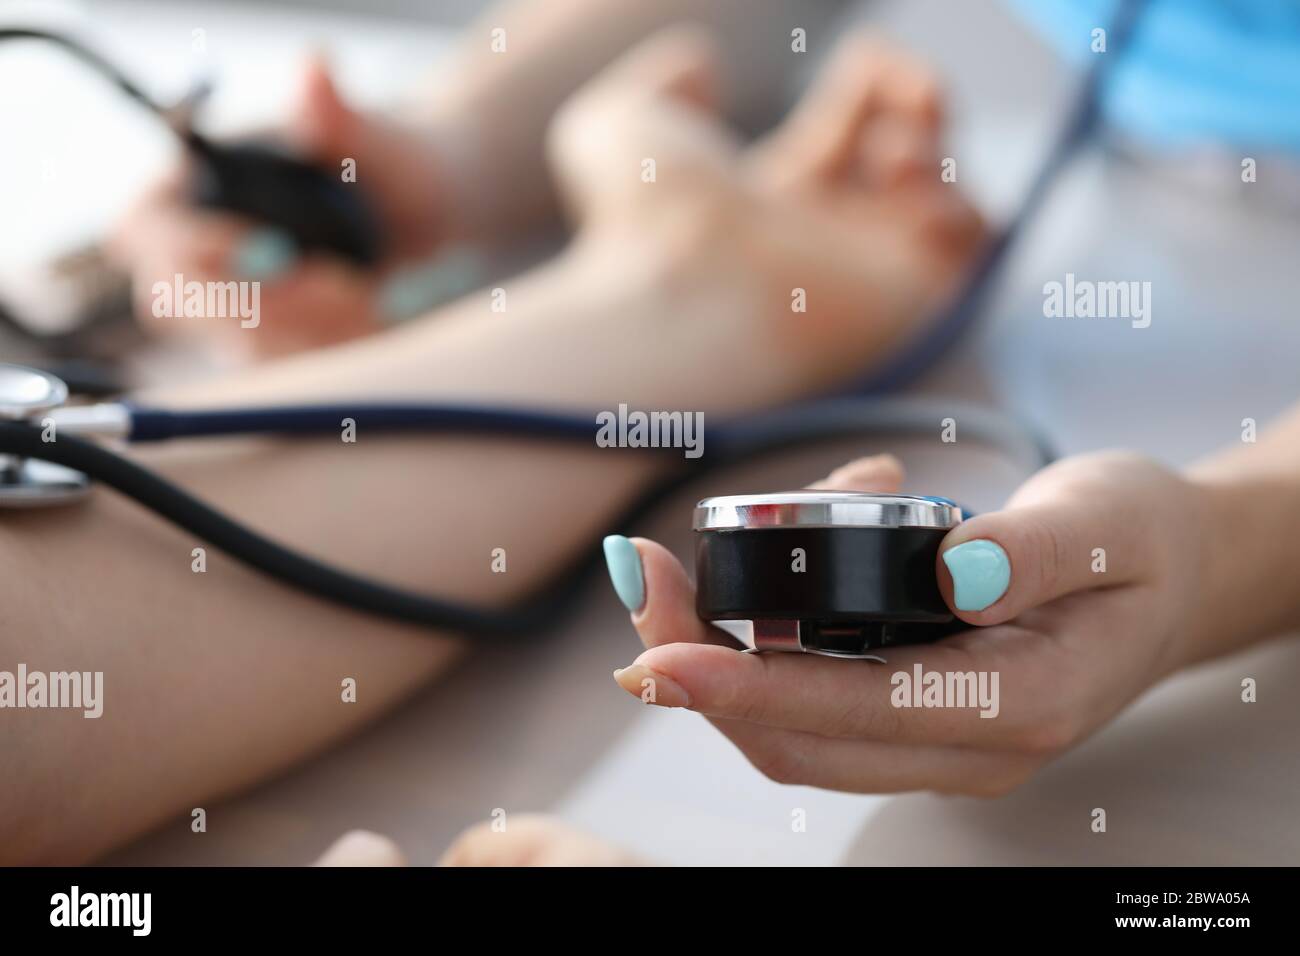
[(214, 680)]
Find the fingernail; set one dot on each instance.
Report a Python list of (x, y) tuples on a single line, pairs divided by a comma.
[(652, 687), (417, 289), (625, 571), (980, 572), (264, 254)]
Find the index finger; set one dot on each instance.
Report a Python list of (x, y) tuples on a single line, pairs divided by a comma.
[(940, 694)]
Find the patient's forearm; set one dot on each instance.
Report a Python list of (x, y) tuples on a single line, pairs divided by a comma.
[(213, 680)]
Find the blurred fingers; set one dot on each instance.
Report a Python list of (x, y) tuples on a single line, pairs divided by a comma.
[(655, 104), (362, 848), (880, 473)]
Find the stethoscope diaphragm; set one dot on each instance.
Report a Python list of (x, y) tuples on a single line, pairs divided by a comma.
[(841, 573)]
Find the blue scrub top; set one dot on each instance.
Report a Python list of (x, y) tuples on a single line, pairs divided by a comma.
[(1197, 72)]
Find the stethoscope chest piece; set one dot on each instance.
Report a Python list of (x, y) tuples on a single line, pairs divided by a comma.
[(840, 573), (26, 395)]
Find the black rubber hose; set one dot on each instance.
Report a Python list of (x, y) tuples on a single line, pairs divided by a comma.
[(545, 607)]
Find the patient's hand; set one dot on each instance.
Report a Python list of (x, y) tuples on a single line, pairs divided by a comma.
[(306, 300), (804, 256), (1087, 591), (818, 247)]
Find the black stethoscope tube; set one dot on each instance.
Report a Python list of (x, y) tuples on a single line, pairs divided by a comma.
[(729, 444)]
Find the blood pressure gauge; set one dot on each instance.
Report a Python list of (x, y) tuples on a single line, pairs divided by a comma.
[(840, 573)]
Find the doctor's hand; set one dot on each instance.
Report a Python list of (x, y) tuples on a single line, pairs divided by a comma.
[(307, 299), (1082, 592)]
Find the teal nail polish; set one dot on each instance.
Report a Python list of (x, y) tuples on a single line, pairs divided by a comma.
[(264, 254), (417, 289), (625, 571), (980, 571)]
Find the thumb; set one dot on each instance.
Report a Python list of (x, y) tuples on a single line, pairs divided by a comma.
[(655, 101), (997, 565), (323, 123)]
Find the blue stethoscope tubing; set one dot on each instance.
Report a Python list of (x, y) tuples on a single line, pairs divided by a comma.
[(729, 443)]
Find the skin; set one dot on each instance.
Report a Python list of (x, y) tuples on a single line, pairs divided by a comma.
[(362, 848), (528, 840), (214, 681)]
